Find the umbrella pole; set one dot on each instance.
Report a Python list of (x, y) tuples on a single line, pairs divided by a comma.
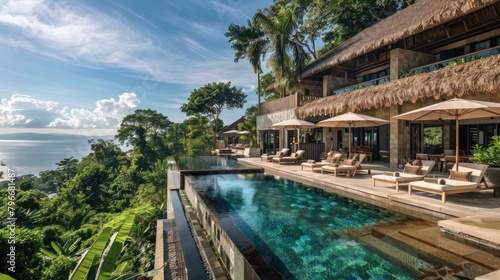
[(457, 146), (349, 139)]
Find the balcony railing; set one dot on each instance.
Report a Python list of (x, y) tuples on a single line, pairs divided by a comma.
[(456, 60), (374, 82), (288, 102)]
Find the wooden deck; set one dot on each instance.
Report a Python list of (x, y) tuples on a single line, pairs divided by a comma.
[(420, 205)]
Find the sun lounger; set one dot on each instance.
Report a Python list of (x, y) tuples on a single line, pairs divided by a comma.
[(348, 166), (404, 177), (267, 157), (362, 158), (456, 183), (293, 158), (330, 160)]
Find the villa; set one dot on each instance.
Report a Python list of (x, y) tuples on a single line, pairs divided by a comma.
[(226, 218), (433, 50)]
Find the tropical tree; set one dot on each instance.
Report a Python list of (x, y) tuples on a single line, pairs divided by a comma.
[(146, 131), (288, 57), (211, 99), (250, 125), (101, 260), (68, 249)]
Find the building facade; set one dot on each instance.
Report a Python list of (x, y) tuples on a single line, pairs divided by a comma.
[(431, 51)]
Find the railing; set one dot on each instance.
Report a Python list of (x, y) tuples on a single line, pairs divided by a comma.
[(278, 104), (305, 98), (374, 82), (456, 60), (289, 102)]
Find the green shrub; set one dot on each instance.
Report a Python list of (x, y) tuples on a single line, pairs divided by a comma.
[(487, 155)]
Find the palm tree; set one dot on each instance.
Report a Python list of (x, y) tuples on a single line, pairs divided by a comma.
[(288, 57)]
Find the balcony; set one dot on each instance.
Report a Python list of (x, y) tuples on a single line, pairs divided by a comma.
[(374, 82), (289, 102), (454, 61)]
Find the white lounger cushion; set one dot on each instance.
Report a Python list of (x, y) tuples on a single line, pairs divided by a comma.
[(450, 185), (454, 186)]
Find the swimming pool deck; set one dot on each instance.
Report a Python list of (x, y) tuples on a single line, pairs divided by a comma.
[(422, 233), (420, 205), (455, 215)]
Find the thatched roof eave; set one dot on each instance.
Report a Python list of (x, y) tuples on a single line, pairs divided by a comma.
[(422, 15), (476, 76)]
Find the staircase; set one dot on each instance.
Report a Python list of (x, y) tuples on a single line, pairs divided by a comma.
[(417, 243)]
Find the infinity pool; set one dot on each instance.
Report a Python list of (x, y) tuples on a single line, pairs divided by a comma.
[(299, 230)]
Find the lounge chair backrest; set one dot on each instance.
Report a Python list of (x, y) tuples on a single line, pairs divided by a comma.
[(361, 158), (427, 166), (299, 153), (336, 157), (354, 156), (422, 156), (284, 151), (477, 169)]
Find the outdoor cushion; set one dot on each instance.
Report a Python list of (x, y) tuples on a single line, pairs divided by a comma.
[(440, 181), (474, 171), (395, 174), (413, 169), (414, 162), (461, 176), (348, 162)]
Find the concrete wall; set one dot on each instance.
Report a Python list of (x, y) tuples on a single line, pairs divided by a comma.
[(331, 83), (228, 253), (402, 60), (265, 121)]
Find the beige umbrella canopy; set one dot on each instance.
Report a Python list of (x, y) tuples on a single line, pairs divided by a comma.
[(294, 124), (230, 133), (351, 120), (453, 109)]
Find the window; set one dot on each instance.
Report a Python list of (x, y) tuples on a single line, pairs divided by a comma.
[(482, 45), (433, 139)]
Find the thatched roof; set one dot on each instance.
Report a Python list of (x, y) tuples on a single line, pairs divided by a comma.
[(418, 17), (479, 76), (232, 126)]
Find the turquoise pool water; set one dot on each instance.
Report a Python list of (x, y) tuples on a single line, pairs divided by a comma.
[(207, 162), (298, 229)]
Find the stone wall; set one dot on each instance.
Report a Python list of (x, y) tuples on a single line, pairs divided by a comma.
[(265, 121), (332, 83), (404, 60)]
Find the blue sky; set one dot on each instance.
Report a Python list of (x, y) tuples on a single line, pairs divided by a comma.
[(83, 65)]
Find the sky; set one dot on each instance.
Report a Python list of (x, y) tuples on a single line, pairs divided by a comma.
[(81, 66)]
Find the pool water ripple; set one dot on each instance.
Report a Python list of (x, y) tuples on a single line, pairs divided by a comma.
[(301, 226)]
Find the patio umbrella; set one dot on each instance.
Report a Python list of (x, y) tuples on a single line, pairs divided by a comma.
[(243, 132), (293, 124), (351, 120), (453, 109), (230, 133)]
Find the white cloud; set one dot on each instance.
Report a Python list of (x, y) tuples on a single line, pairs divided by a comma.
[(72, 32), (13, 110), (25, 111), (107, 114), (82, 35)]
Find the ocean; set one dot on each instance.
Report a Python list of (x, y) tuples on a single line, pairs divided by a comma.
[(30, 153)]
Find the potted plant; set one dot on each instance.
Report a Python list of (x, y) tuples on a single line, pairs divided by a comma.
[(491, 156)]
